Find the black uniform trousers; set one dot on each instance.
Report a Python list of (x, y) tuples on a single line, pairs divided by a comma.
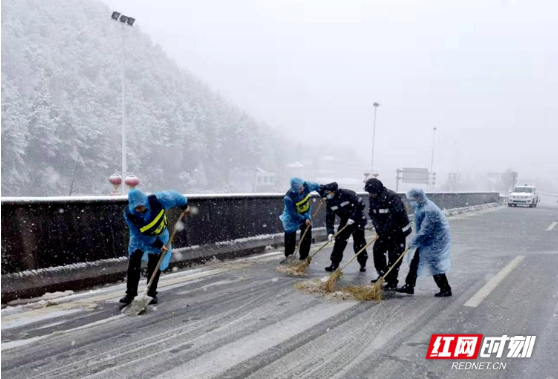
[(134, 273), (290, 242), (341, 242), (411, 280), (392, 245)]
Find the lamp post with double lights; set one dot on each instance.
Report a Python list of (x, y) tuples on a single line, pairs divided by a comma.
[(125, 20)]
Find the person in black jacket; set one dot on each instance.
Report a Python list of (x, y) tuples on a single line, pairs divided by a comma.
[(391, 222), (350, 209)]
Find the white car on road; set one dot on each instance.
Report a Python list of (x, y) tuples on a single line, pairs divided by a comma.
[(523, 195)]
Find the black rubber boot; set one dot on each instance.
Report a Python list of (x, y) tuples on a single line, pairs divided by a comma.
[(409, 290), (445, 293), (442, 282), (127, 299), (154, 300), (363, 268), (332, 267)]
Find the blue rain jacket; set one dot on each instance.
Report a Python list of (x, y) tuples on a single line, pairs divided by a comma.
[(432, 239), (168, 199), (291, 218)]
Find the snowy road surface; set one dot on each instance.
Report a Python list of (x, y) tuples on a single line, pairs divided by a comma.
[(242, 319)]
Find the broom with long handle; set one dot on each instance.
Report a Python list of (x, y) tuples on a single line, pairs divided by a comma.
[(374, 292), (301, 268), (291, 258), (141, 302), (329, 281)]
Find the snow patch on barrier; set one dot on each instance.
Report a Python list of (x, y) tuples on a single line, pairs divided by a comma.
[(259, 237), (249, 239), (60, 269), (456, 211)]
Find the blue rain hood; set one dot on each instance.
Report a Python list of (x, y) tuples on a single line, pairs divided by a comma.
[(290, 218), (145, 243), (136, 198), (296, 183)]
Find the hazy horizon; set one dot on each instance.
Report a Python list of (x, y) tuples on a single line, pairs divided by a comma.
[(484, 73)]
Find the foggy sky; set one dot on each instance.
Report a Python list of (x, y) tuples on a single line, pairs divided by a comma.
[(484, 73)]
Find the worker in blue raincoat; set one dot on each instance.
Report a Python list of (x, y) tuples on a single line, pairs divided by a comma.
[(146, 217), (432, 244), (297, 215)]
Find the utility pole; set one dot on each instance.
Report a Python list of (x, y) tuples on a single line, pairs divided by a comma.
[(397, 178), (433, 176), (376, 105), (433, 147)]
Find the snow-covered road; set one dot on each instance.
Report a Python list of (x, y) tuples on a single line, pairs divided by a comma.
[(242, 319)]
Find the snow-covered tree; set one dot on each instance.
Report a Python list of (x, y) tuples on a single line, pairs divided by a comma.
[(61, 108)]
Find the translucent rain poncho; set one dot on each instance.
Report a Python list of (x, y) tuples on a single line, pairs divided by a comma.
[(432, 239)]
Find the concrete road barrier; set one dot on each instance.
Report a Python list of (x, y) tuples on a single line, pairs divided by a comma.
[(52, 244)]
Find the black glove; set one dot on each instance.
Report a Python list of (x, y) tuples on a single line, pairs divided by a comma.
[(158, 243), (184, 207)]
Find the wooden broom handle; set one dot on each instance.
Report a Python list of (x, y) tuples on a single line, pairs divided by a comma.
[(305, 230), (171, 238), (325, 244), (360, 251), (395, 264)]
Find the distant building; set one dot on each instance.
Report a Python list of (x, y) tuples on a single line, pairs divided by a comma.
[(252, 180), (266, 181)]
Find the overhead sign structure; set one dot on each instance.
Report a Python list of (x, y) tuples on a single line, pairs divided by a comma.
[(414, 175)]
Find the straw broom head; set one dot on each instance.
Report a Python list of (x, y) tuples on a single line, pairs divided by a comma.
[(374, 292), (329, 285), (289, 270), (367, 293), (302, 266)]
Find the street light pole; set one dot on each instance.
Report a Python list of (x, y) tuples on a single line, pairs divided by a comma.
[(124, 168), (432, 159), (116, 16), (433, 146), (376, 105)]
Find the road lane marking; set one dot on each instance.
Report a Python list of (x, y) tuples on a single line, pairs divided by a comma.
[(551, 226), (493, 283)]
